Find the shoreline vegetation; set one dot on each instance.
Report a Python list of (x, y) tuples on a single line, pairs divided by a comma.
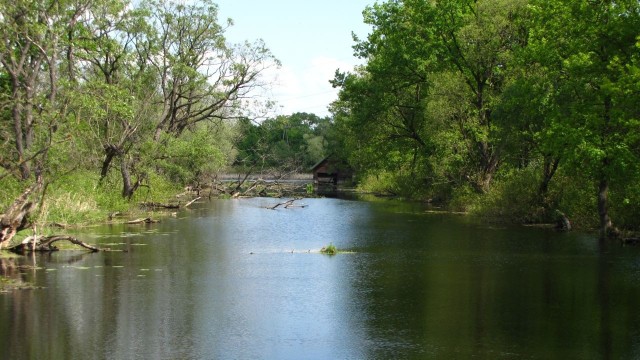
[(165, 201)]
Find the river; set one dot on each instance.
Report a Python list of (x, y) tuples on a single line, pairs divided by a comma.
[(230, 279)]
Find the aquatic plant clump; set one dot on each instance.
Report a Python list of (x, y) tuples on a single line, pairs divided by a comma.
[(329, 249)]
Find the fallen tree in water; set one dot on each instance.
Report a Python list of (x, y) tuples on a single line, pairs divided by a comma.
[(287, 204), (16, 217), (46, 244), (157, 205), (142, 221), (258, 188)]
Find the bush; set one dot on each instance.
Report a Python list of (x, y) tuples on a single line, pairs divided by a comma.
[(625, 207), (463, 199), (576, 198), (514, 197), (390, 183), (329, 249)]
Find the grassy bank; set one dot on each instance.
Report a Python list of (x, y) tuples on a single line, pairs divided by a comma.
[(80, 199)]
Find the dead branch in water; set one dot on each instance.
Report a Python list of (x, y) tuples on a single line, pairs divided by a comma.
[(159, 205), (45, 244), (143, 221), (156, 205), (16, 217), (287, 204), (192, 201)]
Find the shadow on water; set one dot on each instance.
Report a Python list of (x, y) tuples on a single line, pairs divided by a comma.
[(233, 279)]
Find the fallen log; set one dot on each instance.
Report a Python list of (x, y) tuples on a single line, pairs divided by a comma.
[(159, 205), (192, 201), (143, 221), (45, 243), (16, 217), (287, 204)]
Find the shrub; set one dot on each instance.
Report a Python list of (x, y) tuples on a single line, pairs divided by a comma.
[(329, 249)]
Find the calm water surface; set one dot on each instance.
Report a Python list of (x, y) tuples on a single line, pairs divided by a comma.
[(230, 279)]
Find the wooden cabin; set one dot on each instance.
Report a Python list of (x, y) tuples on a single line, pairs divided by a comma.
[(329, 171)]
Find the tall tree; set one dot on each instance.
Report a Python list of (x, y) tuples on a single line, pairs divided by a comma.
[(29, 57), (588, 46), (201, 77), (433, 72)]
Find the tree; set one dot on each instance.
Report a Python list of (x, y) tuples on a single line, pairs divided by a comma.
[(287, 143), (29, 57), (590, 63), (434, 71), (201, 77)]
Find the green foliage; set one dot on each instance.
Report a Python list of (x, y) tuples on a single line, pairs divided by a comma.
[(78, 198), (110, 103), (626, 206), (398, 183), (575, 198), (464, 199), (10, 190), (329, 249), (295, 142), (511, 109), (184, 160), (514, 197)]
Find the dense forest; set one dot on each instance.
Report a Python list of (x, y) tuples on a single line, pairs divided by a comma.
[(514, 109), (518, 110)]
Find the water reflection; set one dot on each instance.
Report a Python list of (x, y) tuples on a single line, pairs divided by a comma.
[(232, 279)]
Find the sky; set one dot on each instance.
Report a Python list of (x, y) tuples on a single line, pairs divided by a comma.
[(311, 39)]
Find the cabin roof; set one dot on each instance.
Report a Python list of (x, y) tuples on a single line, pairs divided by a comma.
[(319, 163)]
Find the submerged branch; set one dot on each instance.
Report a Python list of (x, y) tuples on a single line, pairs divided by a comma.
[(287, 204), (45, 244)]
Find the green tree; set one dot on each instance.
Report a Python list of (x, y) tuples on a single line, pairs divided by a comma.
[(33, 34), (588, 48), (427, 93), (201, 77), (287, 143)]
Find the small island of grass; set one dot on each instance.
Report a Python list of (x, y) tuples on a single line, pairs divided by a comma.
[(329, 249)]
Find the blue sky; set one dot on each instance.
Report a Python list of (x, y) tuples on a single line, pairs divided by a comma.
[(311, 39)]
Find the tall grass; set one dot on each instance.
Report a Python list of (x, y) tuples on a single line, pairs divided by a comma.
[(81, 199)]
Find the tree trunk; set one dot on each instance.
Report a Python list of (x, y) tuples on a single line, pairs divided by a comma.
[(45, 243), (550, 167), (489, 162), (603, 208), (16, 113), (127, 188), (16, 217), (110, 152)]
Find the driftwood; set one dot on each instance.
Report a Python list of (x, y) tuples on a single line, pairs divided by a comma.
[(16, 217), (143, 221), (159, 205), (192, 201), (287, 204), (45, 243)]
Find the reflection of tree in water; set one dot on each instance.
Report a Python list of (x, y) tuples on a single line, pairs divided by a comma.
[(19, 272), (13, 274)]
